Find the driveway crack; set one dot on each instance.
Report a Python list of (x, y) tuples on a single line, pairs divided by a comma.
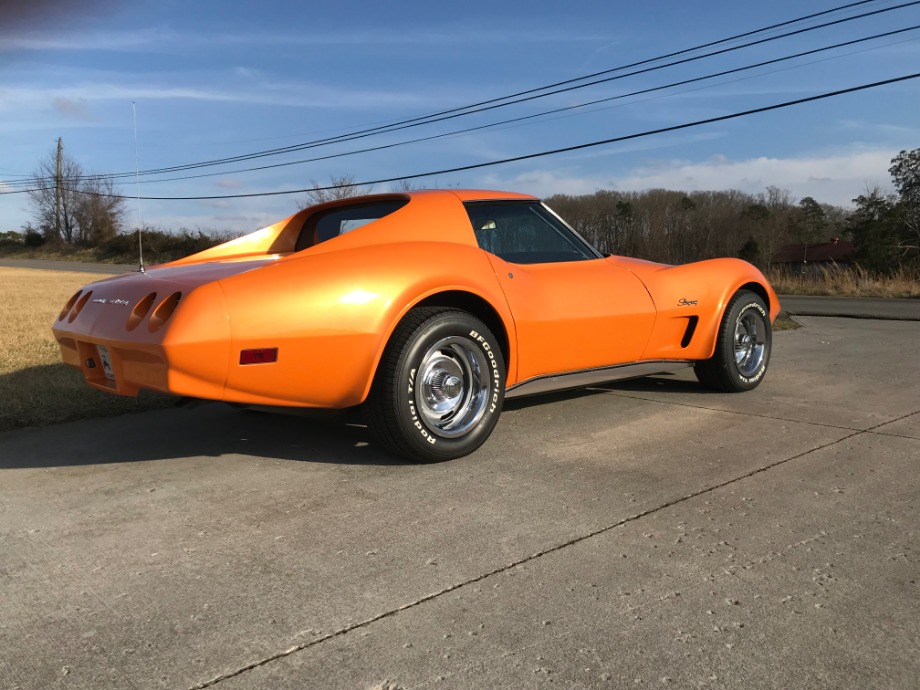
[(532, 557)]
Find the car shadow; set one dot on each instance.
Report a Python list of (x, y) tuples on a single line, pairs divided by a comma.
[(660, 383), (213, 429), (663, 382), (209, 430)]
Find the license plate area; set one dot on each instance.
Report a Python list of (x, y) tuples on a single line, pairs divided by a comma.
[(105, 361)]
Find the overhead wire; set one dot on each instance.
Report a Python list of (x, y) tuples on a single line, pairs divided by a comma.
[(534, 116), (513, 100), (532, 94), (550, 152)]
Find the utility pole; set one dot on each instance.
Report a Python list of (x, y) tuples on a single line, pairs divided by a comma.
[(58, 183)]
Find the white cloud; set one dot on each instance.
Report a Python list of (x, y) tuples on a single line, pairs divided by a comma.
[(834, 178)]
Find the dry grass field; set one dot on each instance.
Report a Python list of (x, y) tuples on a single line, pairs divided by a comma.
[(852, 282), (35, 388)]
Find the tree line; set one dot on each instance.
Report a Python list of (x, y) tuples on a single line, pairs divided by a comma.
[(676, 227), (72, 208)]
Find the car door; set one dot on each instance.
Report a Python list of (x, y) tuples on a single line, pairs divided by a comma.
[(572, 308)]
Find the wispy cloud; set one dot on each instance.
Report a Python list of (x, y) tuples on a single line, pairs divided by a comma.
[(139, 40), (305, 95), (874, 128), (166, 40)]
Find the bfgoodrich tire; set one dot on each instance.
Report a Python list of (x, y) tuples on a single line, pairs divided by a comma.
[(439, 388), (743, 346)]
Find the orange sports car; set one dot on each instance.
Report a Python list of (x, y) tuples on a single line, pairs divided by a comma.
[(428, 309)]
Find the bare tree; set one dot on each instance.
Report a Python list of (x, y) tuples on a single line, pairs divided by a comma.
[(44, 197), (339, 187), (73, 208), (404, 186), (100, 212)]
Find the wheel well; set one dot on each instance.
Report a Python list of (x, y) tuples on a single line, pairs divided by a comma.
[(758, 290), (476, 306)]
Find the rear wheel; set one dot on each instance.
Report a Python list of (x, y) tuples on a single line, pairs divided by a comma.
[(439, 387), (743, 346)]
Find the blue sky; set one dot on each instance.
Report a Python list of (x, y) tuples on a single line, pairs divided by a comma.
[(218, 79)]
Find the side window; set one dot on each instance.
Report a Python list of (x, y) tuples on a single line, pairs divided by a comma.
[(337, 221), (525, 233)]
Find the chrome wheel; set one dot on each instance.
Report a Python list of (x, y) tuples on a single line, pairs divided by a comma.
[(452, 386), (750, 342), (439, 387), (742, 348)]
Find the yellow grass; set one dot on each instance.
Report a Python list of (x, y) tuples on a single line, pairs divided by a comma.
[(35, 387), (850, 282)]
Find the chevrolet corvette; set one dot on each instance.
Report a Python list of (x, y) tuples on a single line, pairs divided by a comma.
[(427, 309)]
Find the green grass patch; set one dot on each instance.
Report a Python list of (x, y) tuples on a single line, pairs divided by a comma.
[(784, 322)]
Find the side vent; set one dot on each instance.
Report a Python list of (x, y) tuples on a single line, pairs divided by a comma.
[(140, 311), (78, 307), (163, 311), (691, 329), (67, 307)]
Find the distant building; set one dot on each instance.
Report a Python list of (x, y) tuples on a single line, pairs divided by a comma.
[(812, 258)]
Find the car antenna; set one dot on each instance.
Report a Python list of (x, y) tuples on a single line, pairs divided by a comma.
[(137, 187)]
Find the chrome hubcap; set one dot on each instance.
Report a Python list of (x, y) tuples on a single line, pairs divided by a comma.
[(452, 386), (750, 343)]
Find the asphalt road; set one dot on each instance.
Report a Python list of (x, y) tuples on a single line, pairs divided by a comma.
[(647, 534), (80, 267), (854, 307)]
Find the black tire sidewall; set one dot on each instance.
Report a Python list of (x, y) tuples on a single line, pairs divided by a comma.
[(746, 301), (426, 442)]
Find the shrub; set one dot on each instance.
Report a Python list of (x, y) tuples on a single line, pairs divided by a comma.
[(159, 246), (33, 238), (11, 239)]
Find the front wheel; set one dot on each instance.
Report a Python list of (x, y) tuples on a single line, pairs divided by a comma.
[(439, 388), (743, 346)]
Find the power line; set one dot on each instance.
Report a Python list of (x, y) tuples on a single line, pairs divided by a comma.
[(531, 94), (554, 111), (406, 124), (551, 152)]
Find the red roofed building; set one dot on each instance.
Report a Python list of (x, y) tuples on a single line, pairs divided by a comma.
[(806, 258)]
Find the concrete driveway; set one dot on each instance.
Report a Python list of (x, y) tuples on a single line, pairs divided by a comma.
[(647, 534)]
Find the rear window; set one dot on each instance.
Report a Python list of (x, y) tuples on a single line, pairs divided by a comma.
[(325, 225)]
